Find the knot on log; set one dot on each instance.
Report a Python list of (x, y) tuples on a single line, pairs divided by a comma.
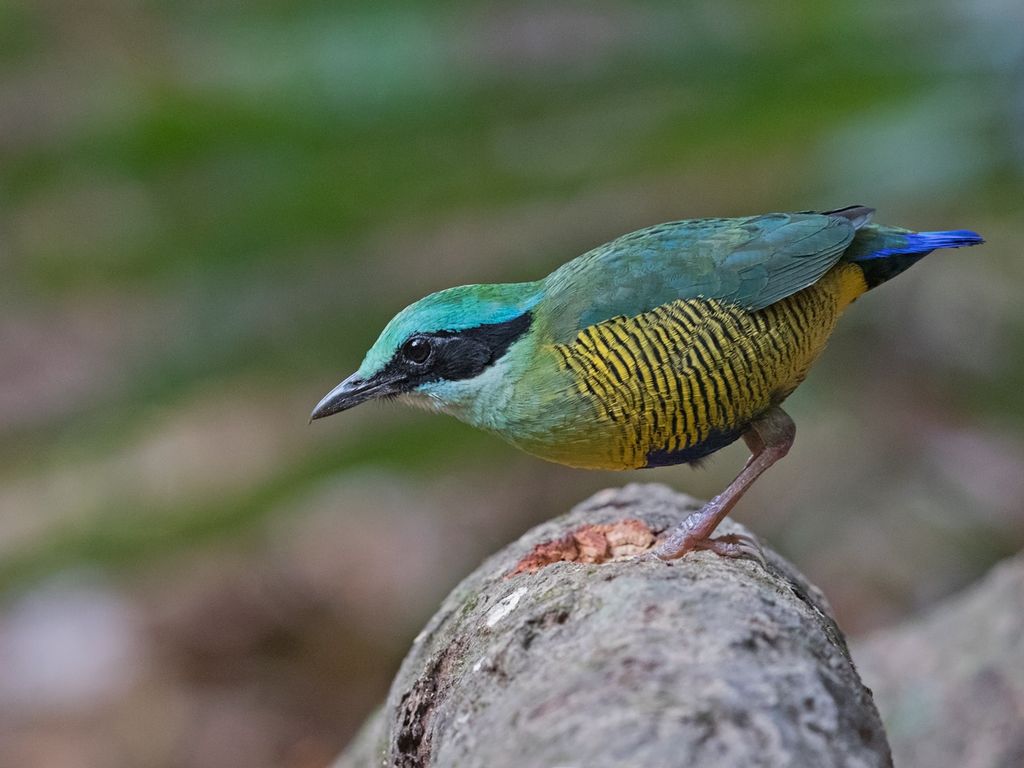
[(591, 543), (562, 650)]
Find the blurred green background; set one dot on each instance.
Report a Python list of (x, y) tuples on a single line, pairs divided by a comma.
[(208, 211)]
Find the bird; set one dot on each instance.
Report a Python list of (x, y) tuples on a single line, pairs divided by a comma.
[(655, 349)]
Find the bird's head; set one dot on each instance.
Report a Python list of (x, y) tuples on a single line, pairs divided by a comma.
[(435, 351)]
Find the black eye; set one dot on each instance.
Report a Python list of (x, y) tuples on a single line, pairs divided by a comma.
[(416, 350)]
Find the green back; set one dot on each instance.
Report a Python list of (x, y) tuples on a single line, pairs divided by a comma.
[(751, 262)]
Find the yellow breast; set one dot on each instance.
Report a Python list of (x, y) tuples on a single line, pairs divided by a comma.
[(687, 377)]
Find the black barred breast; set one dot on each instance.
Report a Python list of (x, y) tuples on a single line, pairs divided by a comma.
[(683, 380)]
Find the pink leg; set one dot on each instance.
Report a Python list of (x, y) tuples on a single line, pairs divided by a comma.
[(769, 439)]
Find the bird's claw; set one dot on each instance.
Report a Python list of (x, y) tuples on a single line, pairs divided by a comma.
[(737, 545), (733, 545)]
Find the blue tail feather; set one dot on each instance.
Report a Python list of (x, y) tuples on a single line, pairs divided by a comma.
[(884, 252), (923, 242)]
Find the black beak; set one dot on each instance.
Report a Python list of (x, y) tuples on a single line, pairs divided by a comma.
[(351, 392)]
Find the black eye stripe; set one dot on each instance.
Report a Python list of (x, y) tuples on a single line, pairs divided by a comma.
[(455, 355), (496, 336)]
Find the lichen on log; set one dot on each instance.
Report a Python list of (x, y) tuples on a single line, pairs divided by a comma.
[(566, 649)]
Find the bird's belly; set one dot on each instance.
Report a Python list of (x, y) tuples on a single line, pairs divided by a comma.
[(679, 382)]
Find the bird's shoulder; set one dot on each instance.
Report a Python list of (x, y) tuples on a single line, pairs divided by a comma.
[(751, 262)]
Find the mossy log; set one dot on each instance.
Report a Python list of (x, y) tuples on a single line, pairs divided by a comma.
[(565, 649)]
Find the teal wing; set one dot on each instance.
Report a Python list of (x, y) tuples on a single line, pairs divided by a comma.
[(751, 262)]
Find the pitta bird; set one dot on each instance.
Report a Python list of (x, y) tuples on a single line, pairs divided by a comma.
[(658, 348)]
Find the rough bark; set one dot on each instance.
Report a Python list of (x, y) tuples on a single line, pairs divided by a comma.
[(951, 684), (562, 650)]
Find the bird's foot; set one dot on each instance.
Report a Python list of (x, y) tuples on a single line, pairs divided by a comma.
[(736, 545)]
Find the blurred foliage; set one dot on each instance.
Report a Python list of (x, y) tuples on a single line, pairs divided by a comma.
[(207, 211)]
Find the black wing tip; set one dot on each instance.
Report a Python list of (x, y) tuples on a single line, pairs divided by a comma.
[(858, 215)]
